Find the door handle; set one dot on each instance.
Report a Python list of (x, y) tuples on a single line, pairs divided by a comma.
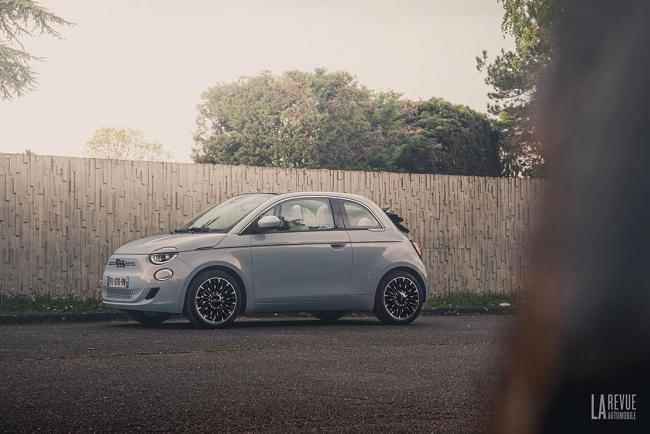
[(337, 245)]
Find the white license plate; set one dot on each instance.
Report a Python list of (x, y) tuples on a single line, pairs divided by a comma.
[(118, 282)]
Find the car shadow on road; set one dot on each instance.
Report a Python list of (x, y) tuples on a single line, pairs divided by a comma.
[(308, 322)]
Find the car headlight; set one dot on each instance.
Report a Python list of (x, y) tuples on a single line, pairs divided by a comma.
[(162, 258)]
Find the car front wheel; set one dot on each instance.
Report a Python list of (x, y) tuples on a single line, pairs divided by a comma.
[(399, 298), (213, 300)]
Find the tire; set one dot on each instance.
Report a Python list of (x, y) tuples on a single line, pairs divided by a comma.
[(399, 298), (148, 318), (329, 315), (213, 300)]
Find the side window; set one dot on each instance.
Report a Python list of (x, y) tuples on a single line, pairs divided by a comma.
[(313, 214), (357, 216)]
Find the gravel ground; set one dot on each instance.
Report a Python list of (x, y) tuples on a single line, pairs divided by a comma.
[(438, 374)]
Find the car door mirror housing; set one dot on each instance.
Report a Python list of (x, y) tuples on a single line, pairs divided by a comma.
[(269, 222)]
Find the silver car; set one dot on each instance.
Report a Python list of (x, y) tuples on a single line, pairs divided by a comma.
[(324, 253)]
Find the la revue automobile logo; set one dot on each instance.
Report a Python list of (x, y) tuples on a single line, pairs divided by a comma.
[(613, 406)]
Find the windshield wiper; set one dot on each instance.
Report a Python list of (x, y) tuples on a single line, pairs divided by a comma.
[(191, 230)]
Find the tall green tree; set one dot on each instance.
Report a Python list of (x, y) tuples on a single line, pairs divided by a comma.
[(326, 119), (18, 19), (448, 138), (125, 144), (298, 119), (513, 76)]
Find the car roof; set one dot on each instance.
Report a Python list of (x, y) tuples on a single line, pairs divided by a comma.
[(290, 194), (321, 193)]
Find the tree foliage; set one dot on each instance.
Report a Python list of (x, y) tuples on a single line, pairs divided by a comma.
[(296, 120), (327, 120), (513, 76), (448, 138), (19, 18), (125, 144)]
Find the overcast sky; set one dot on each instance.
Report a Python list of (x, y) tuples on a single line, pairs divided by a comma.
[(145, 63)]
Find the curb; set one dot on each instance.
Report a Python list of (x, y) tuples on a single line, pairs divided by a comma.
[(62, 317), (118, 316)]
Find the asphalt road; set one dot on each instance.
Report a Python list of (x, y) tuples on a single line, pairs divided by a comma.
[(438, 374)]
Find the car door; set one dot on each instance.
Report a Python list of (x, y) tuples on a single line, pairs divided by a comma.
[(307, 260)]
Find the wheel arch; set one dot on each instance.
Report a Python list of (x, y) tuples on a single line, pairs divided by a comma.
[(410, 270), (226, 269)]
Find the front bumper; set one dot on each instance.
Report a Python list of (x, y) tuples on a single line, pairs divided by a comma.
[(144, 292)]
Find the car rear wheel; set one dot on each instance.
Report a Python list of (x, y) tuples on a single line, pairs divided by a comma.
[(399, 298), (329, 315), (213, 300), (148, 318)]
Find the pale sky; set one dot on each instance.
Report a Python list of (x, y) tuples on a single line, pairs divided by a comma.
[(144, 63)]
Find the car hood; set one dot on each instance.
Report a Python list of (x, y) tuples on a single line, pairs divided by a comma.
[(180, 242)]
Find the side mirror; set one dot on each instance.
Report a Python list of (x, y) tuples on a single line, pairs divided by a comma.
[(269, 222)]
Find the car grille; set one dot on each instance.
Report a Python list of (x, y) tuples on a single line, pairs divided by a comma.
[(121, 263), (121, 294)]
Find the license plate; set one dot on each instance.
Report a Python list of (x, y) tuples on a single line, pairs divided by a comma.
[(118, 282)]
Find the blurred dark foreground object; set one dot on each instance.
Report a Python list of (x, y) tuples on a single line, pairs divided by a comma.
[(586, 332)]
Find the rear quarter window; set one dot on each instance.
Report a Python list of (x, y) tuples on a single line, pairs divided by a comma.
[(357, 216)]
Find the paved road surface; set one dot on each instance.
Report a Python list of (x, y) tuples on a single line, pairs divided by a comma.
[(439, 374)]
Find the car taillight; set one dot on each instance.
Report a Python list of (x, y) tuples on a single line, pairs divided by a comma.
[(417, 247)]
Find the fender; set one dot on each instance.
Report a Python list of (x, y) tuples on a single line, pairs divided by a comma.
[(247, 288), (424, 281)]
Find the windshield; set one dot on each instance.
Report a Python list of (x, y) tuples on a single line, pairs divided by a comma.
[(222, 217)]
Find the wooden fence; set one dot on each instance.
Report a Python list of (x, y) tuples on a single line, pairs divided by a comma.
[(61, 217)]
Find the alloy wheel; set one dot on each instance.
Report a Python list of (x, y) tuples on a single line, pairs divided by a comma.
[(401, 298), (216, 300)]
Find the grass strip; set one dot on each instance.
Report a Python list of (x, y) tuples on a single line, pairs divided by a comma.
[(43, 304)]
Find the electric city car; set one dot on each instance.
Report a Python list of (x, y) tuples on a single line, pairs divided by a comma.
[(324, 253)]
